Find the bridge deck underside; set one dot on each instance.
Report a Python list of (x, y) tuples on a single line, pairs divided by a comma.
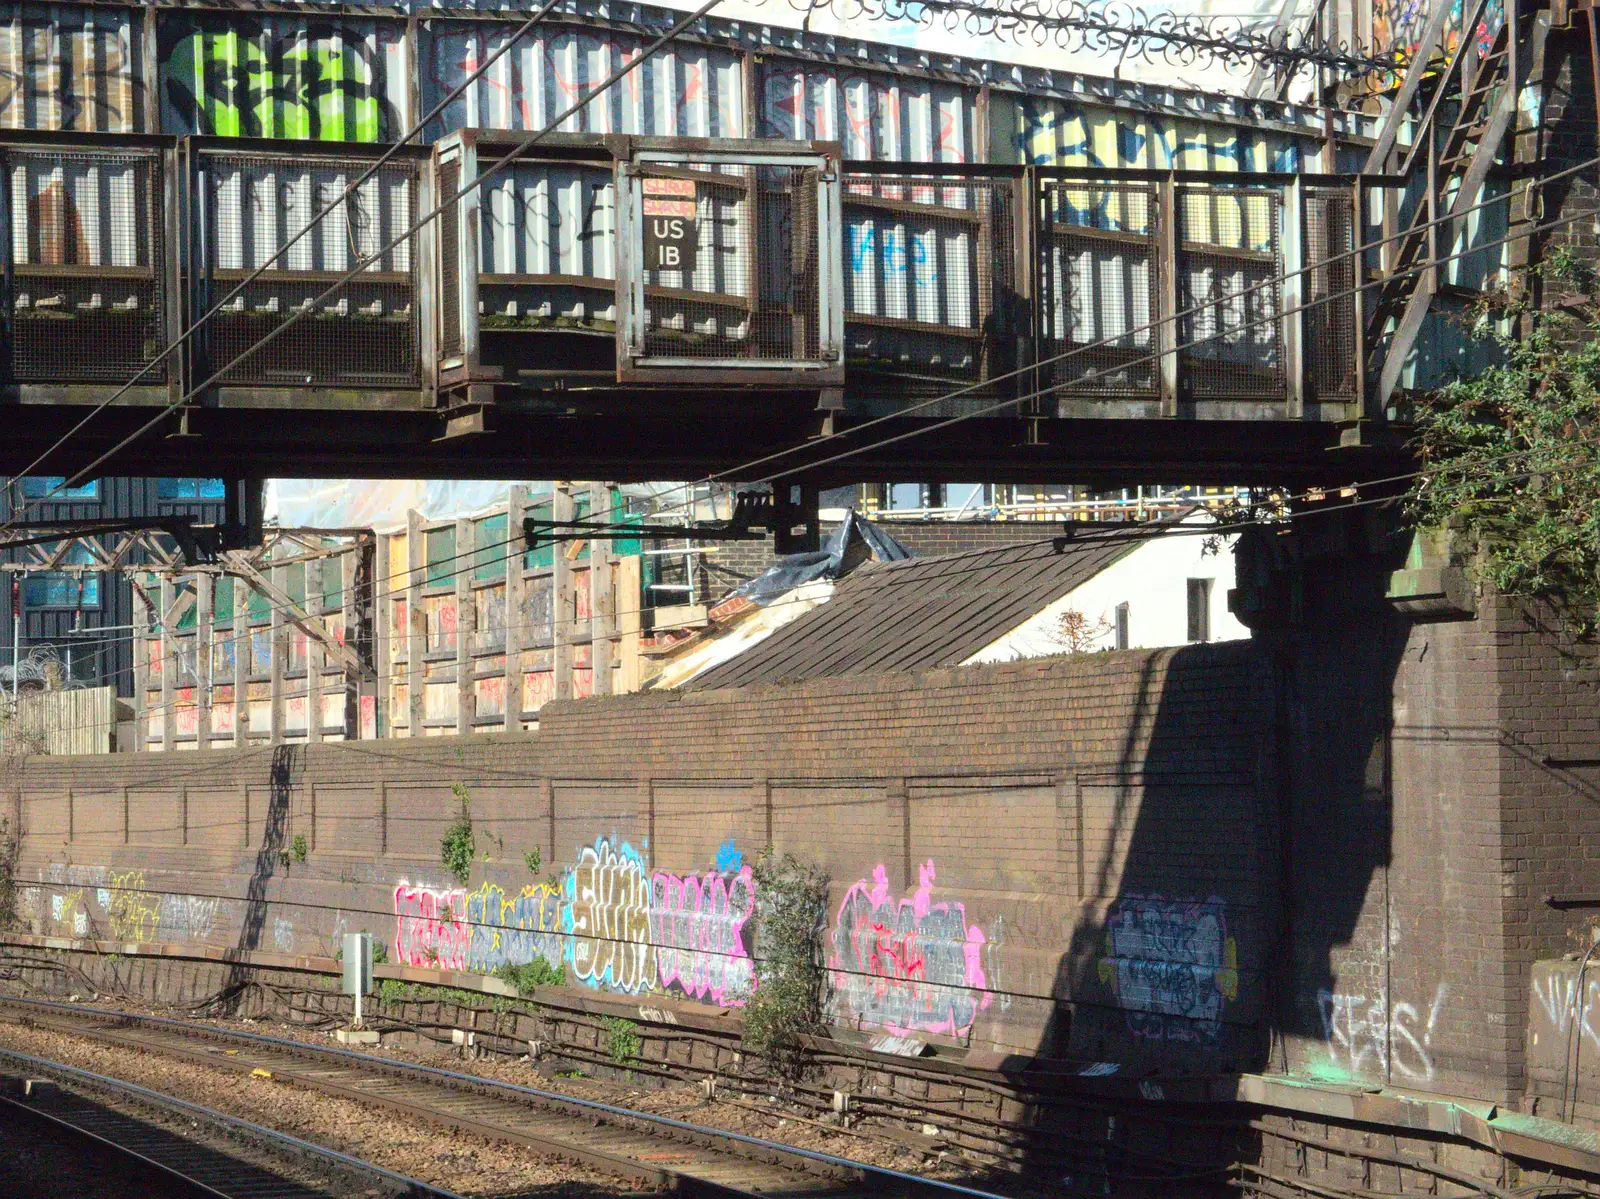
[(676, 434)]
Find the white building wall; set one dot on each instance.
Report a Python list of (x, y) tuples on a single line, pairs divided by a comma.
[(1153, 581)]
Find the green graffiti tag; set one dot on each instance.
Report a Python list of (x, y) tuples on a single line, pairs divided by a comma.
[(279, 78)]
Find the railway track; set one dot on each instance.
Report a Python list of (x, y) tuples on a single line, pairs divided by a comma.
[(652, 1150), (92, 1109)]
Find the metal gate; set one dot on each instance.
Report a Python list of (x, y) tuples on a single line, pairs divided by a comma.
[(85, 264), (729, 262)]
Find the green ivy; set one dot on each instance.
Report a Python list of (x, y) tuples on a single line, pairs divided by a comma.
[(791, 982), (459, 846), (1513, 454), (299, 848)]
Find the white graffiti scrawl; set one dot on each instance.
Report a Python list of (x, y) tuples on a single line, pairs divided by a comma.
[(908, 964), (1366, 1040)]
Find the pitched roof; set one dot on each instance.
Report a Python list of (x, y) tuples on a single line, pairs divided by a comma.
[(919, 613)]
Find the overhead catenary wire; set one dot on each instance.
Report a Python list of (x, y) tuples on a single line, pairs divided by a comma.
[(1012, 401), (1122, 532), (267, 338), (1426, 265), (416, 226)]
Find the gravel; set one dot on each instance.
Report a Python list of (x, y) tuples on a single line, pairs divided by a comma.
[(434, 1155)]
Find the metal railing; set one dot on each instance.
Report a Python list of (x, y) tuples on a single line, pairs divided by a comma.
[(1082, 292)]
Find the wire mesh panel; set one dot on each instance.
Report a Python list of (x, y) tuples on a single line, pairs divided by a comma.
[(547, 243), (729, 262), (1097, 250), (928, 275), (1329, 293), (1230, 340), (449, 261), (86, 260), (365, 332)]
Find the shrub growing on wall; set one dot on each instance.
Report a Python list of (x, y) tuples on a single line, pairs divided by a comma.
[(458, 845), (1513, 454), (791, 978)]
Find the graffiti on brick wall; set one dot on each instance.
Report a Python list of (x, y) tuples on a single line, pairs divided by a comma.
[(96, 901), (513, 930), (607, 917), (68, 912), (430, 927), (190, 917), (907, 964), (1556, 993), (133, 912), (1363, 1038), (282, 934), (1171, 966), (697, 923), (618, 927)]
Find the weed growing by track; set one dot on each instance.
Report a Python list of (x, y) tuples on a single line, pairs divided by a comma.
[(537, 973), (623, 1043)]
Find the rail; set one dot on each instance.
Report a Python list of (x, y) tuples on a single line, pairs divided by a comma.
[(709, 1160), (195, 1167)]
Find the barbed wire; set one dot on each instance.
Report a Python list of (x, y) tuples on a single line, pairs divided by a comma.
[(1116, 27)]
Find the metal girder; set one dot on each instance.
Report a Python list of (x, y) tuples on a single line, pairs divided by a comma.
[(166, 543), (239, 563), (1484, 155)]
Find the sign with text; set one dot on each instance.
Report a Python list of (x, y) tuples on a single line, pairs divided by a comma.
[(671, 232)]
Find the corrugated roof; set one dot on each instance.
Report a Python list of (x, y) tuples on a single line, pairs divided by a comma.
[(919, 613)]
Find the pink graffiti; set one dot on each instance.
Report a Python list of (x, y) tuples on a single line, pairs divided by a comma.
[(908, 964), (430, 927), (697, 924)]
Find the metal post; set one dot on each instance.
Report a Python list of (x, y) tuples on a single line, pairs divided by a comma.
[(516, 501), (1292, 243), (416, 622), (141, 666), (169, 666), (280, 654), (466, 626), (563, 609), (602, 597), (383, 635), (1167, 293), (243, 648), (204, 652), (316, 655)]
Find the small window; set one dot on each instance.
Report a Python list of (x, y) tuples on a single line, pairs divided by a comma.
[(543, 554), (489, 540), (63, 588), (221, 599), (1200, 609), (191, 489), (1122, 626), (441, 546), (58, 589), (39, 487), (332, 583)]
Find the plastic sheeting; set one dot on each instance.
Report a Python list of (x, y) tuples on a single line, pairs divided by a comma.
[(381, 504), (830, 562)]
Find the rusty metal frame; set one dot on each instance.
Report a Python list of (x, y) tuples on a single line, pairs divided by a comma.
[(633, 365)]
